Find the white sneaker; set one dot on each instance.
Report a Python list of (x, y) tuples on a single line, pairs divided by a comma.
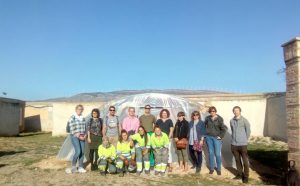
[(71, 170), (81, 170), (68, 170)]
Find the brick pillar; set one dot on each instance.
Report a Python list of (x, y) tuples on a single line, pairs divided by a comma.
[(292, 60)]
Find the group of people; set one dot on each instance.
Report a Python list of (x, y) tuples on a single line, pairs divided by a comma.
[(137, 144)]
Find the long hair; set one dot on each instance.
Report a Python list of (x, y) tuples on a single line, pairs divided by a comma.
[(195, 113), (145, 135), (120, 137)]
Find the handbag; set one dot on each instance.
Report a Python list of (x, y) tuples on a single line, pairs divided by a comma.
[(182, 143), (197, 147)]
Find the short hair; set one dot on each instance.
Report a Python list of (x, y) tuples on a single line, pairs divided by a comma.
[(211, 109), (195, 113), (77, 106), (131, 108), (112, 107), (156, 127), (164, 110), (97, 111), (237, 107)]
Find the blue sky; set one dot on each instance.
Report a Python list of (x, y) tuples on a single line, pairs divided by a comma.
[(59, 48)]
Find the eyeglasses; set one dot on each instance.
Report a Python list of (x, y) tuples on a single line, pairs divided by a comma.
[(112, 110), (147, 108), (212, 111)]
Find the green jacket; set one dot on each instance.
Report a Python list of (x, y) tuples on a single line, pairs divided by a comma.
[(141, 141), (159, 143), (124, 148), (105, 153)]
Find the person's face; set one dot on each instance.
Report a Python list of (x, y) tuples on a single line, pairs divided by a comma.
[(95, 115), (213, 113), (164, 114), (157, 131), (105, 142), (141, 131), (131, 112), (124, 136), (236, 112), (112, 111), (196, 117), (79, 111), (147, 110), (180, 118)]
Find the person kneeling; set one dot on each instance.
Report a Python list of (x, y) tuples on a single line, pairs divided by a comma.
[(142, 147), (124, 153), (160, 144), (107, 157)]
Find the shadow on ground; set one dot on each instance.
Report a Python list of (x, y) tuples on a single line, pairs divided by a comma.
[(270, 165), (8, 153)]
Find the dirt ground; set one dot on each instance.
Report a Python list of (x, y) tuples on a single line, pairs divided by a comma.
[(30, 159)]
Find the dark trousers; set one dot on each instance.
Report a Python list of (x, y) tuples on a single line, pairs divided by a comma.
[(94, 153), (240, 154), (196, 160)]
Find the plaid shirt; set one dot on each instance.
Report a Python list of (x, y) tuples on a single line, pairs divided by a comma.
[(77, 126)]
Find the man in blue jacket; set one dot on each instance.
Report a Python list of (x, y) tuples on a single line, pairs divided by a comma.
[(240, 128)]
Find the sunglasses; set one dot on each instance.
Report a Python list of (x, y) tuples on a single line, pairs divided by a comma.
[(147, 108)]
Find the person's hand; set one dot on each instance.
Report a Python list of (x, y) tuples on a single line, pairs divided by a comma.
[(201, 142), (77, 134), (122, 158), (145, 151), (89, 140), (219, 138)]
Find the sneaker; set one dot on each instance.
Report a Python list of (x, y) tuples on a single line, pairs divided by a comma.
[(81, 170), (71, 170), (198, 169), (245, 179), (218, 172), (121, 174), (147, 172), (156, 173), (68, 170), (193, 167), (138, 173), (211, 171), (162, 174)]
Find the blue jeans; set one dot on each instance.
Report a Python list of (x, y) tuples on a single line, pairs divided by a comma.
[(79, 151), (214, 149)]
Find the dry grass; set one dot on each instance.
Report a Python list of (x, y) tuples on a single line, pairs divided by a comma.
[(30, 160)]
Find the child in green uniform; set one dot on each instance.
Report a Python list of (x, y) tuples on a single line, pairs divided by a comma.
[(160, 143), (142, 146), (107, 157), (124, 153)]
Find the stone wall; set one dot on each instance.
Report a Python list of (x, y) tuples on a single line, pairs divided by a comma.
[(292, 61)]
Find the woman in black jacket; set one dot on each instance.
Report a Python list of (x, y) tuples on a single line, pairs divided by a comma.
[(180, 136)]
